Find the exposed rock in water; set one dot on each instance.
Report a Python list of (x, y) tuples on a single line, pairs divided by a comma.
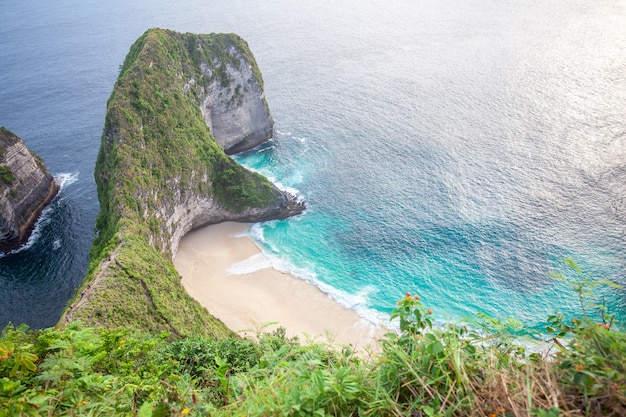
[(26, 187)]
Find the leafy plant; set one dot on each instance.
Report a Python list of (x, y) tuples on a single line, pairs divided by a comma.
[(7, 176)]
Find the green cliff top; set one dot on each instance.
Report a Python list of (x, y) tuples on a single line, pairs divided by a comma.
[(157, 154)]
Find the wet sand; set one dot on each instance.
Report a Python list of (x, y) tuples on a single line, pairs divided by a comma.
[(247, 302)]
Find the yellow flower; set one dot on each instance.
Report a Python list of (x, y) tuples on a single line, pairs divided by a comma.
[(417, 297), (580, 367), (500, 410), (184, 412)]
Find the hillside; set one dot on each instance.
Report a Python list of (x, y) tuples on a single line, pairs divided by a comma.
[(449, 370), (161, 173)]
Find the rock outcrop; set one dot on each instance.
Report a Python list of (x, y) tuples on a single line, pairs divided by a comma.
[(25, 189), (176, 94), (161, 173), (237, 115)]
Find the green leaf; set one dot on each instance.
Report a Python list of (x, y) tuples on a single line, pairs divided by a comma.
[(435, 348), (429, 411), (582, 378), (572, 264), (146, 410), (609, 283), (318, 381)]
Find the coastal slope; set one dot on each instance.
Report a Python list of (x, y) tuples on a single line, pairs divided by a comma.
[(161, 173), (26, 187)]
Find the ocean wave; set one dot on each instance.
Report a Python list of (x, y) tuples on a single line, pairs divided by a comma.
[(65, 179), (286, 183), (356, 302), (255, 232), (296, 178), (247, 266), (291, 190), (44, 219)]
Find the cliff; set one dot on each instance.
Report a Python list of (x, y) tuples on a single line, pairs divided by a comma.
[(233, 103), (25, 189), (161, 173)]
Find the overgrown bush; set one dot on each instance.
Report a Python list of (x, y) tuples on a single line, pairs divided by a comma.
[(423, 370)]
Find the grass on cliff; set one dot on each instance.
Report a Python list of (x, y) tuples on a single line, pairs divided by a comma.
[(156, 151), (156, 146), (421, 371), (142, 290), (7, 138)]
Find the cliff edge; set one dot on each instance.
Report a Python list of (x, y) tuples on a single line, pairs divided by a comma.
[(26, 187), (179, 102)]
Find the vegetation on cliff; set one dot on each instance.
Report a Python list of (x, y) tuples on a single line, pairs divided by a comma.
[(156, 352), (157, 160), (422, 371)]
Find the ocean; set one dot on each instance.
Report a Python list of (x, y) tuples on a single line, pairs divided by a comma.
[(455, 149)]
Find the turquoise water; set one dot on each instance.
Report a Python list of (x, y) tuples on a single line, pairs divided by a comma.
[(367, 252), (456, 149)]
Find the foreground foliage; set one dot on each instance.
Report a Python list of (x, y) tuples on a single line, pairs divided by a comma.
[(420, 371)]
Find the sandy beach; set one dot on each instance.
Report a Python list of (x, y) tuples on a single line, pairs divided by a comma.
[(251, 300)]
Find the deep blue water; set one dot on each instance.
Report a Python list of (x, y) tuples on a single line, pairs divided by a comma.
[(457, 149)]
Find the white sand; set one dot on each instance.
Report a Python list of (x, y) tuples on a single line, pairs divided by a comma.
[(252, 300)]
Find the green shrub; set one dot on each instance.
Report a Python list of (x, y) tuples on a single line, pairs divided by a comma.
[(7, 176)]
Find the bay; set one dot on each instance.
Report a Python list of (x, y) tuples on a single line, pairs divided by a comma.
[(458, 149)]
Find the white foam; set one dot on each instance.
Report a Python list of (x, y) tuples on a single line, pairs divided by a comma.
[(296, 178), (65, 179), (56, 244), (250, 265), (43, 220), (255, 232), (357, 302), (62, 180), (290, 190)]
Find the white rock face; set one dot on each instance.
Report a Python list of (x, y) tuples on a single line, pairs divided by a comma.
[(198, 211), (25, 188), (236, 113)]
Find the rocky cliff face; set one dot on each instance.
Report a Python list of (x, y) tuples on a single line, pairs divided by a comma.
[(236, 113), (25, 188), (161, 173), (178, 99)]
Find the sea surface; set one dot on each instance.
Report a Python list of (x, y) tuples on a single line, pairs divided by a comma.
[(457, 149)]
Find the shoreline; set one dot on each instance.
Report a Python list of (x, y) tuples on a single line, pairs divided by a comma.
[(249, 302)]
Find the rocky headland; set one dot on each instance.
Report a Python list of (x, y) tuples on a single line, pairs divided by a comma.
[(180, 104), (26, 187)]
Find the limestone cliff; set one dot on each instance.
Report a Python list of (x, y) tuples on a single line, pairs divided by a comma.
[(25, 188), (236, 113), (161, 173)]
